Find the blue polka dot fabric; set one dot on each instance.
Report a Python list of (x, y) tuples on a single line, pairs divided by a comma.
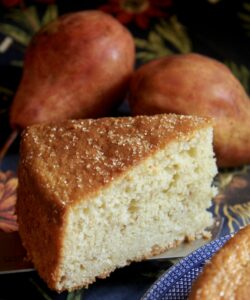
[(176, 283)]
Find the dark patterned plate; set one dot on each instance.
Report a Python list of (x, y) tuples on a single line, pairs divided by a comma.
[(175, 284)]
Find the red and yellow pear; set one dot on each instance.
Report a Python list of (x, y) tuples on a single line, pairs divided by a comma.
[(194, 84), (78, 66)]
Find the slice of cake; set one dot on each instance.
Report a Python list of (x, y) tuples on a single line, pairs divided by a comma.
[(95, 195), (227, 274)]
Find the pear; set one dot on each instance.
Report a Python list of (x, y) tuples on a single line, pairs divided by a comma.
[(78, 66), (193, 84)]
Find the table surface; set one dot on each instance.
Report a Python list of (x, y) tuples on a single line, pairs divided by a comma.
[(219, 29)]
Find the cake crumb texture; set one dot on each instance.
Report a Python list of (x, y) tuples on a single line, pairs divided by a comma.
[(95, 195)]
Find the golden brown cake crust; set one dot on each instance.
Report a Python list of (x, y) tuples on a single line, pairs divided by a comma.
[(227, 275), (60, 164), (44, 231), (97, 150)]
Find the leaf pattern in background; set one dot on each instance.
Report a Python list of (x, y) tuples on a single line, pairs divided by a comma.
[(232, 202), (167, 37), (21, 24), (242, 73), (51, 14), (39, 289), (236, 216), (76, 295), (8, 186), (244, 17)]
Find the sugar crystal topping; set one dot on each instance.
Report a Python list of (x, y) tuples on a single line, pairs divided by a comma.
[(81, 156)]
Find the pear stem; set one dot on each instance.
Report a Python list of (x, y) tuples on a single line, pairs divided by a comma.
[(8, 143)]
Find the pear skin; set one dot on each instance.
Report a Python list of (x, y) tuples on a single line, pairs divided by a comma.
[(194, 84), (78, 66)]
